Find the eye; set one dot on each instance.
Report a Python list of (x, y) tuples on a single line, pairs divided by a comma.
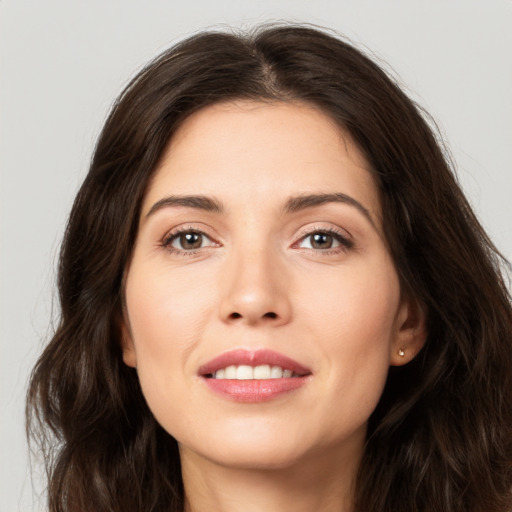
[(319, 241), (324, 240), (187, 241)]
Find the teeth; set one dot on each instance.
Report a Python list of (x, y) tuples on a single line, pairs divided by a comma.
[(276, 372), (230, 372), (246, 372), (262, 372)]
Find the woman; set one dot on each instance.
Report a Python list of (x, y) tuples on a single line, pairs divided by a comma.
[(274, 296)]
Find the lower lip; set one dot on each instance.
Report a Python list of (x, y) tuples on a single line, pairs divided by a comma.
[(252, 391)]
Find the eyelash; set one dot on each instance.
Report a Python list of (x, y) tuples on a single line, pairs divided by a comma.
[(339, 236), (345, 243), (171, 237)]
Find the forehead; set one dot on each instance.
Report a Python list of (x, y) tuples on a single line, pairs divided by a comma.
[(262, 151)]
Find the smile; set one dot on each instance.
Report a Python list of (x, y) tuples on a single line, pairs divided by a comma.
[(246, 372), (253, 376)]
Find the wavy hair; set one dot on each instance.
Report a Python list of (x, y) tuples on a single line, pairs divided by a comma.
[(441, 436)]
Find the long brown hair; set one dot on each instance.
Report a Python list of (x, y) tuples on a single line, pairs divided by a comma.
[(440, 438)]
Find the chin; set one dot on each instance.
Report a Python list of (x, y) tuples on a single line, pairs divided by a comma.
[(247, 448), (255, 457), (262, 447)]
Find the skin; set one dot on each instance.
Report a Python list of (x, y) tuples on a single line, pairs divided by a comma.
[(257, 281)]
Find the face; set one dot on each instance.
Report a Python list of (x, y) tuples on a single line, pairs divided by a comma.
[(263, 309)]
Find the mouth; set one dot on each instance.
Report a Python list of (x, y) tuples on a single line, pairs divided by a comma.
[(246, 372), (253, 376)]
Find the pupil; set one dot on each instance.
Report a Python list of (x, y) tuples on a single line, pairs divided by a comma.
[(322, 241), (191, 240)]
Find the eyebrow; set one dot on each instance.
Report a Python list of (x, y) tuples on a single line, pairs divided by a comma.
[(302, 202), (293, 204), (198, 202)]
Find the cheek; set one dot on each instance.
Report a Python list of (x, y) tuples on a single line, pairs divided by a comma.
[(167, 316), (166, 310), (363, 299), (353, 315)]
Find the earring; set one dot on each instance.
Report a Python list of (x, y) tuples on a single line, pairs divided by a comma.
[(401, 352)]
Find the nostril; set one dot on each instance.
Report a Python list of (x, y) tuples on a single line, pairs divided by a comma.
[(269, 314)]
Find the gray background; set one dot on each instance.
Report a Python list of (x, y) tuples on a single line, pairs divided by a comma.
[(62, 63)]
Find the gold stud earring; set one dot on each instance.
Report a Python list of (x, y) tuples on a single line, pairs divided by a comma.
[(401, 352)]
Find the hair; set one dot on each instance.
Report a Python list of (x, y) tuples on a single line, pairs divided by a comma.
[(441, 436)]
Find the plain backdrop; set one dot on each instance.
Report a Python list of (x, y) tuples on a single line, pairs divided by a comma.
[(62, 63)]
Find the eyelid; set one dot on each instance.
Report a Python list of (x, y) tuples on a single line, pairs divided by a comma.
[(344, 238), (174, 233)]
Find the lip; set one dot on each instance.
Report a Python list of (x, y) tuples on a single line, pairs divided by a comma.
[(257, 390)]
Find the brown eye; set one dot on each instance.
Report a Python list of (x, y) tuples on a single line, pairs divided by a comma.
[(321, 241), (188, 241), (325, 240)]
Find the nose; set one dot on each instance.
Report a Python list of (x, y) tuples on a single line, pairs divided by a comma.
[(255, 290)]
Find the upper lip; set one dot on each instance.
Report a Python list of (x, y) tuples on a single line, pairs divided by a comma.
[(252, 358)]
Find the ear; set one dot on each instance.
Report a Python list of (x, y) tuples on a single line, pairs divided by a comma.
[(411, 332), (127, 345)]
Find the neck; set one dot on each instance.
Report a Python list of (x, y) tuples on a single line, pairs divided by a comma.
[(308, 485)]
